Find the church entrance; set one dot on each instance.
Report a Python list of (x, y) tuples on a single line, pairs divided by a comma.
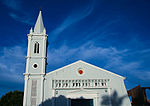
[(81, 102)]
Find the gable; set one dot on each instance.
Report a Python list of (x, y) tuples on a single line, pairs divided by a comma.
[(82, 70)]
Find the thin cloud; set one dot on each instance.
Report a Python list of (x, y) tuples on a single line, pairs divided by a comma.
[(110, 58), (22, 19), (12, 4), (144, 75), (12, 64), (17, 6), (72, 18), (100, 31), (85, 52)]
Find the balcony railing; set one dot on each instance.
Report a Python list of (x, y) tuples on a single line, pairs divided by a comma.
[(83, 83)]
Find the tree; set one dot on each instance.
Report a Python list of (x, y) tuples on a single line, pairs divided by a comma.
[(12, 99)]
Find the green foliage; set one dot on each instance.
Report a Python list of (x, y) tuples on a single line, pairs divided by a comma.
[(12, 99)]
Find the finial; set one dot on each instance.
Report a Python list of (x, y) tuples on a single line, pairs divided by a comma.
[(31, 31), (44, 31)]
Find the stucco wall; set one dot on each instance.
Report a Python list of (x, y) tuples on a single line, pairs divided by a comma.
[(114, 94)]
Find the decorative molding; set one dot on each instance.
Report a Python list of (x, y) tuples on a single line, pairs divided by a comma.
[(36, 57), (34, 34), (80, 83), (34, 73)]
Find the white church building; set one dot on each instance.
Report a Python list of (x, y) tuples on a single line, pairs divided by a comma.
[(77, 84)]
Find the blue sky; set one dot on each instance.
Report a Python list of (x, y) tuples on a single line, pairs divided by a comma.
[(114, 35)]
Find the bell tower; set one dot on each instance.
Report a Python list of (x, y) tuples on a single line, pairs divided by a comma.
[(35, 64)]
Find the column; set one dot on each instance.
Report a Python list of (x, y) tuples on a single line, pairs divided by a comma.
[(42, 88), (25, 90)]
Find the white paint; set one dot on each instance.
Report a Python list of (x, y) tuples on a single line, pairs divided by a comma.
[(47, 86)]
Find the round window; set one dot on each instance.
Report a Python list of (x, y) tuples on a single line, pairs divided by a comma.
[(35, 65), (80, 71)]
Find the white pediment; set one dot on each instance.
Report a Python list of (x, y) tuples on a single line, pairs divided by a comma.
[(71, 70)]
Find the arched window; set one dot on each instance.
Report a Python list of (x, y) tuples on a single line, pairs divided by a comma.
[(36, 47)]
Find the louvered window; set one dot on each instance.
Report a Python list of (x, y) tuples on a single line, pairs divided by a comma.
[(33, 92)]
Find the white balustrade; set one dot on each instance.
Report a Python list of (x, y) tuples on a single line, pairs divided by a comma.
[(80, 83)]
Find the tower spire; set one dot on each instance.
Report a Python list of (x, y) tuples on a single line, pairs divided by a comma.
[(39, 26)]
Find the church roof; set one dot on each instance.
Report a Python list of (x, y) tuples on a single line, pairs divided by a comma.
[(39, 26), (80, 61)]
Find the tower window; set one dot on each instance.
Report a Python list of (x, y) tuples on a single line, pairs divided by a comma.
[(35, 65), (36, 47)]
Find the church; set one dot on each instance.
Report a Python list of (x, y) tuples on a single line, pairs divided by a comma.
[(77, 84)]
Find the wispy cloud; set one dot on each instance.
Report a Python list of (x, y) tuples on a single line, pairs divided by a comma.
[(143, 75), (17, 6), (86, 51), (23, 19), (12, 4), (109, 58), (12, 64), (100, 31), (72, 18)]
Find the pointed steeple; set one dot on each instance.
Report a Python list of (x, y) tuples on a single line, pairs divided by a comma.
[(31, 31), (39, 26)]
